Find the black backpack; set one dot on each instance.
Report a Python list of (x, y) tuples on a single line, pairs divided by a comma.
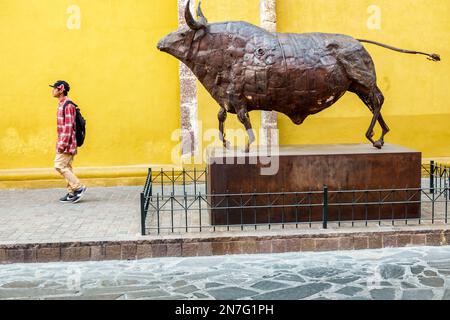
[(80, 124)]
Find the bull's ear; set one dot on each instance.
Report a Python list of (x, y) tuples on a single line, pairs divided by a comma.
[(199, 34), (200, 14)]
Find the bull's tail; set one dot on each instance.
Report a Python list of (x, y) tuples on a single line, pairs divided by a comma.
[(432, 57)]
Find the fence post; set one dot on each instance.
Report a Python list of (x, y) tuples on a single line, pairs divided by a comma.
[(150, 175), (157, 213), (446, 205), (448, 184), (162, 184), (200, 210), (173, 180), (143, 215), (325, 207), (206, 180), (184, 181), (172, 197), (432, 169), (186, 211)]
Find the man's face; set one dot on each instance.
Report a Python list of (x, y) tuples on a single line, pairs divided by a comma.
[(56, 92)]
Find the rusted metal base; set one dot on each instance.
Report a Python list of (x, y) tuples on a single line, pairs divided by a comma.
[(308, 169)]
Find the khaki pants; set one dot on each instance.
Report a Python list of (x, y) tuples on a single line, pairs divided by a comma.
[(63, 164)]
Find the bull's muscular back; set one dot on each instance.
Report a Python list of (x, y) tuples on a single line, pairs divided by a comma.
[(296, 74)]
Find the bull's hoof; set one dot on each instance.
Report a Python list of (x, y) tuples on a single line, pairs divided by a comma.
[(378, 144)]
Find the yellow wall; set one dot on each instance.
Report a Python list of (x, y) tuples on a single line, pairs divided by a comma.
[(129, 91), (415, 89)]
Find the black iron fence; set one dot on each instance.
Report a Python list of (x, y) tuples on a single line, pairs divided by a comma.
[(439, 175), (179, 202)]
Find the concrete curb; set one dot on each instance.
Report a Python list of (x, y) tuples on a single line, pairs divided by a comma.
[(214, 244)]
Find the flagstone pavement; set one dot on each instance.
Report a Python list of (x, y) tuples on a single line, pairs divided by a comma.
[(35, 216), (387, 274)]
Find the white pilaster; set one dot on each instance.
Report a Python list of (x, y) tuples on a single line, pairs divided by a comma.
[(268, 20), (188, 98)]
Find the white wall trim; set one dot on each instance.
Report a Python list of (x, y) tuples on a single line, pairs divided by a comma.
[(269, 120)]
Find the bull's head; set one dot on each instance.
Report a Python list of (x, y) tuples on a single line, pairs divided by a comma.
[(179, 43)]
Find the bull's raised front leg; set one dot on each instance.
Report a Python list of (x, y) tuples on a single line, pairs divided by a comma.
[(222, 116), (245, 120)]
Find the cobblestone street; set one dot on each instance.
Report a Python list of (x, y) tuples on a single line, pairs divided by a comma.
[(409, 273)]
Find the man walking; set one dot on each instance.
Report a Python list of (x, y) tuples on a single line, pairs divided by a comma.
[(66, 147)]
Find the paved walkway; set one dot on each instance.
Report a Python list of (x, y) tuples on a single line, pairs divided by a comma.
[(34, 216), (412, 273), (105, 214)]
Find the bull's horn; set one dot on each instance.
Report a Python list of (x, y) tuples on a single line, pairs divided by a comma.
[(190, 20), (200, 14)]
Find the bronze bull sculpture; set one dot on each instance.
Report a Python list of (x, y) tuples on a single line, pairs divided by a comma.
[(247, 68)]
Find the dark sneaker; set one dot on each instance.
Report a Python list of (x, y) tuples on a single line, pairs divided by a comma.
[(67, 198), (79, 194)]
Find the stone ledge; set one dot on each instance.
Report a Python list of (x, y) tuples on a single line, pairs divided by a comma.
[(264, 242)]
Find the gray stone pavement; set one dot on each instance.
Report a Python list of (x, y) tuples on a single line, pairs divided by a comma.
[(408, 273), (34, 216), (111, 214)]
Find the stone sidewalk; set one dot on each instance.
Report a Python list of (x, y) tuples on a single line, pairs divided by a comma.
[(35, 227), (105, 214), (36, 216)]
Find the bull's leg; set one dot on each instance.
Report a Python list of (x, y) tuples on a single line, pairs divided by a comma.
[(222, 116), (384, 127), (374, 101), (245, 120), (369, 133)]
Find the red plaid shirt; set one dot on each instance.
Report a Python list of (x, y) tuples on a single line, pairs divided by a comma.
[(67, 141)]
